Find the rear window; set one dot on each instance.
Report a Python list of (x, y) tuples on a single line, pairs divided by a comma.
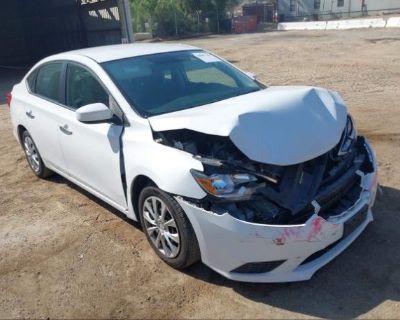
[(48, 81)]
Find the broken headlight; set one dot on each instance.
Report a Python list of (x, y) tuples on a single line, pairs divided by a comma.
[(225, 186), (348, 138)]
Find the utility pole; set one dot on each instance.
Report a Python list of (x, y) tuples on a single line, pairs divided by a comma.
[(349, 7), (217, 18), (198, 21), (175, 19), (176, 23), (216, 7), (126, 20)]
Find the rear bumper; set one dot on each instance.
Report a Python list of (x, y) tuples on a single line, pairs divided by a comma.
[(227, 243), (14, 125)]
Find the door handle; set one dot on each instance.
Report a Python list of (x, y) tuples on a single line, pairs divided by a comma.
[(29, 113), (65, 129)]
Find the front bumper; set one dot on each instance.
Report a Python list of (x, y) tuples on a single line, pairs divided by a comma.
[(227, 243)]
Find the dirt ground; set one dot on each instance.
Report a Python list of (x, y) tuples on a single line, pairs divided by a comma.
[(64, 254)]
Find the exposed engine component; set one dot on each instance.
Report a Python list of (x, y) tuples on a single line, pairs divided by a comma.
[(217, 151), (271, 194)]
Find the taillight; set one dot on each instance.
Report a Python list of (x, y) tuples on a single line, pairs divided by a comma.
[(8, 99)]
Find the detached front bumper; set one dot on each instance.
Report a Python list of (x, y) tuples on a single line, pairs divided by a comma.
[(251, 252)]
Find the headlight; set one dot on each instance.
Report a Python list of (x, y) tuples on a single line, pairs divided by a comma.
[(228, 186), (348, 138)]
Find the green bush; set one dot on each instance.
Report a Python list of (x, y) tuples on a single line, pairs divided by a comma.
[(166, 18)]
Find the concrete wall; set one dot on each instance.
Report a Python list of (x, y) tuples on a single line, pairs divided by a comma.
[(343, 24), (329, 9)]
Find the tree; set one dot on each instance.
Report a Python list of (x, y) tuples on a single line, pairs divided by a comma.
[(178, 17)]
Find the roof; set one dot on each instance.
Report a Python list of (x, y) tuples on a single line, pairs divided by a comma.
[(121, 51)]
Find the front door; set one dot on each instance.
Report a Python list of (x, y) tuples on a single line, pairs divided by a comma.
[(91, 150)]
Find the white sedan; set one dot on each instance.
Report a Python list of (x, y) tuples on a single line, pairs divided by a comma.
[(263, 184)]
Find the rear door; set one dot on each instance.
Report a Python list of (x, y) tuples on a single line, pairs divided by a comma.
[(92, 150), (43, 111)]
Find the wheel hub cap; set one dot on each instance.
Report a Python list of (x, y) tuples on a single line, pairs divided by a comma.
[(31, 154), (161, 227)]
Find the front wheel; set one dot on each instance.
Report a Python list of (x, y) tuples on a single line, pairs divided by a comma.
[(167, 228)]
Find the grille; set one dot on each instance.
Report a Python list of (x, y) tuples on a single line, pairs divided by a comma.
[(258, 267), (355, 221), (320, 253)]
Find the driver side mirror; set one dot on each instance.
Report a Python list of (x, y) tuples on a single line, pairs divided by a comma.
[(94, 112)]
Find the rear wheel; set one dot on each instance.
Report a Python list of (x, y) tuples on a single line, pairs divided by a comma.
[(33, 156), (167, 228)]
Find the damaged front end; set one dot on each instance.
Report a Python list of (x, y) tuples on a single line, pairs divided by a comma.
[(272, 194)]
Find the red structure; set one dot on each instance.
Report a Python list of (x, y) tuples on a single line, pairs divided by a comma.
[(244, 24)]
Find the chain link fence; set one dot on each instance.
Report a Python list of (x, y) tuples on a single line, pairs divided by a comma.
[(175, 23)]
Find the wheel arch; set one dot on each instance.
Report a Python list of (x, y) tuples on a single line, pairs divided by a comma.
[(137, 185), (20, 131)]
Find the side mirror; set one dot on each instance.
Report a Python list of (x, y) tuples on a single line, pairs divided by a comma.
[(251, 75), (94, 112)]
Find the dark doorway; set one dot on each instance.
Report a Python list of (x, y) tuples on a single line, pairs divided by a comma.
[(31, 30)]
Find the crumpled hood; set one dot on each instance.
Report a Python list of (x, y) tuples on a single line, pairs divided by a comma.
[(278, 125)]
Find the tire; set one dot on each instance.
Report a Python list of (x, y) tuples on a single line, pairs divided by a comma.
[(33, 156), (188, 251)]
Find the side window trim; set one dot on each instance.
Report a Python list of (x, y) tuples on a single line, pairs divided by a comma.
[(34, 75), (92, 73), (63, 87), (112, 100), (63, 84)]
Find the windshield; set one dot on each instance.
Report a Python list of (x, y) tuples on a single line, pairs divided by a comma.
[(173, 81)]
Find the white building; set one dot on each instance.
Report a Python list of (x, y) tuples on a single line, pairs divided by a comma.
[(297, 10)]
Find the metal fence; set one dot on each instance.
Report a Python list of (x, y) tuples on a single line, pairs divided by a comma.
[(178, 24)]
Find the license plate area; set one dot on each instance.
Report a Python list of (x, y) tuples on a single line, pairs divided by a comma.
[(355, 221)]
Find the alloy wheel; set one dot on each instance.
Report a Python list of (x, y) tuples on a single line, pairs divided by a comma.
[(32, 154), (161, 227)]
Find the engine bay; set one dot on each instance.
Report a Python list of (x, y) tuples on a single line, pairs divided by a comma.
[(326, 185)]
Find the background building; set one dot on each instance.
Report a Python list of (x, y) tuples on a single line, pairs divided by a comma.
[(31, 30), (296, 10)]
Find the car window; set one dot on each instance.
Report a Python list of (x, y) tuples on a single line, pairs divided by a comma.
[(48, 81), (196, 72), (173, 81), (83, 88), (31, 81)]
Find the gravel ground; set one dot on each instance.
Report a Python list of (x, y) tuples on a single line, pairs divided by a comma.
[(64, 254)]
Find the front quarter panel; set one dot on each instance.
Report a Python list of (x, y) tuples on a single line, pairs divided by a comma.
[(167, 167)]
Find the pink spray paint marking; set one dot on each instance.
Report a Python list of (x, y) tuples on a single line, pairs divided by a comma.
[(316, 226), (289, 233)]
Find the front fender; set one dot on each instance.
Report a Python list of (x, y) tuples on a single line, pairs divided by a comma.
[(169, 168)]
